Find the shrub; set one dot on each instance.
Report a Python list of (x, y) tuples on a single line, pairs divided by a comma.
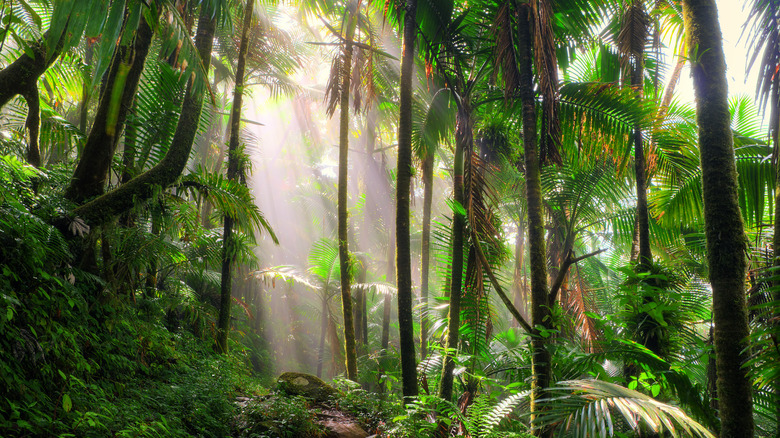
[(278, 416)]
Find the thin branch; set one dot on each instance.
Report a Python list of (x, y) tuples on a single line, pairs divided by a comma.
[(556, 286), (499, 290)]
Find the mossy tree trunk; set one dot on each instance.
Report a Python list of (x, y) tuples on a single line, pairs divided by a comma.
[(233, 173), (724, 230), (23, 73), (325, 315), (518, 278), (403, 183), (344, 257), (540, 310), (463, 141), (33, 125), (139, 189), (118, 94), (427, 174), (774, 123)]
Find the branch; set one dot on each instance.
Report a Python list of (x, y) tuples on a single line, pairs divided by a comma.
[(18, 77), (33, 124), (139, 189), (556, 286), (499, 290)]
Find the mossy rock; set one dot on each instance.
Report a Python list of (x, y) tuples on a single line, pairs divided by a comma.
[(306, 385)]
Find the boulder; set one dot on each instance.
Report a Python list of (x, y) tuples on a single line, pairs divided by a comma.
[(306, 385), (337, 429)]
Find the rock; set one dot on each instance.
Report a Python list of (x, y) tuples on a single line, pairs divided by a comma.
[(337, 429), (306, 385)]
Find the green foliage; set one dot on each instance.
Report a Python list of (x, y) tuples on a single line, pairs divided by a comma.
[(370, 409), (584, 408), (78, 358), (278, 416)]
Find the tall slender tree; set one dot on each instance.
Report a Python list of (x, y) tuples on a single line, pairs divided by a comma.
[(234, 171), (631, 43), (463, 139), (540, 313), (724, 230), (345, 76), (403, 182)]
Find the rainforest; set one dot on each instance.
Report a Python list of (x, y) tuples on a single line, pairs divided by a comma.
[(398, 218)]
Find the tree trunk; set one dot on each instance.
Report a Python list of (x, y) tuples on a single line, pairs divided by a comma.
[(774, 125), (403, 182), (519, 290), (323, 330), (85, 89), (462, 145), (233, 173), (427, 171), (141, 188), (25, 71), (344, 261), (359, 308), (726, 242), (540, 311), (117, 97), (33, 125), (387, 304), (645, 256)]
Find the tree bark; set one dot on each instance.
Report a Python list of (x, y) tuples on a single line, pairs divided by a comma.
[(323, 330), (403, 182), (462, 145), (165, 173), (23, 73), (358, 310), (344, 258), (85, 89), (724, 230), (427, 171), (387, 304), (233, 174), (540, 311), (517, 285), (645, 256), (118, 94), (33, 125), (774, 125)]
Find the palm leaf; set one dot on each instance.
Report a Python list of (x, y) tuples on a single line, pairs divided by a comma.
[(584, 408)]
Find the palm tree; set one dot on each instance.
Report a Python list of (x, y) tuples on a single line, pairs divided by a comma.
[(631, 43), (403, 252), (233, 171), (343, 68), (724, 230)]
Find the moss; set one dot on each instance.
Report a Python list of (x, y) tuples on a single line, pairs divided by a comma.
[(726, 243), (306, 385)]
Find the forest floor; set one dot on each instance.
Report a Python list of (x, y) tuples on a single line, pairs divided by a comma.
[(302, 405)]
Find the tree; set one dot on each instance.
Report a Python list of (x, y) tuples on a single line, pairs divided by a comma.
[(141, 188), (631, 43), (119, 91), (345, 76), (403, 252), (540, 361), (726, 243), (233, 171)]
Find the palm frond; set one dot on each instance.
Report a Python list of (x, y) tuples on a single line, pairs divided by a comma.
[(585, 408)]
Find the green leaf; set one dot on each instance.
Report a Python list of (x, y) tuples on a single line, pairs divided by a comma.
[(9, 314), (67, 404)]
